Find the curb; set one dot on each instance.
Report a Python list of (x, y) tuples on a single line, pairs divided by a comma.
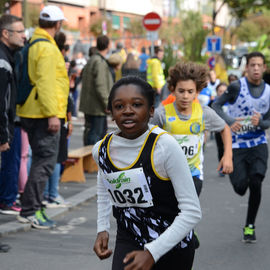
[(75, 200)]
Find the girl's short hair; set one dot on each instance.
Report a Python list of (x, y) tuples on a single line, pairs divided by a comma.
[(188, 71), (145, 89)]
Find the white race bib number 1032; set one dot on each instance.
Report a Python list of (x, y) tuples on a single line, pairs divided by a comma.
[(128, 188)]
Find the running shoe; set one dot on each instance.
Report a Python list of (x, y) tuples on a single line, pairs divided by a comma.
[(9, 210), (47, 218), (58, 202), (249, 235), (37, 221)]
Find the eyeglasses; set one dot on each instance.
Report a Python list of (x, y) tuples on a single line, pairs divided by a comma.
[(16, 31)]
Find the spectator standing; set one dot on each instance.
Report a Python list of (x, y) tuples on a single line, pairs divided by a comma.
[(96, 85), (131, 66), (213, 83), (40, 114), (155, 74), (51, 194), (248, 116), (115, 63), (12, 36), (143, 62)]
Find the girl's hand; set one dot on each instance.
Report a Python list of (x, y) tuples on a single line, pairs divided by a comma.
[(226, 164), (140, 260), (101, 245)]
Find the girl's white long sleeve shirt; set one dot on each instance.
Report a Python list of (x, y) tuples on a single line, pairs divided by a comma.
[(170, 162)]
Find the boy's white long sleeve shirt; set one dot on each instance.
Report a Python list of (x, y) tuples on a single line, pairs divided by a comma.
[(169, 162)]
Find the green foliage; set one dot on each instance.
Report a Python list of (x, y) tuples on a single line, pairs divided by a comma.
[(263, 46), (170, 58), (96, 27), (136, 27), (170, 31), (248, 31), (242, 8), (193, 35), (2, 6)]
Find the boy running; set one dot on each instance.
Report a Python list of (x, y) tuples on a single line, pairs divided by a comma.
[(187, 120), (248, 116)]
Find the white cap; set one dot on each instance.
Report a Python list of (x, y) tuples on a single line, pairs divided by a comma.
[(52, 14)]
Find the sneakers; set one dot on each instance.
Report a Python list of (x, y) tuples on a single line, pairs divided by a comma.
[(9, 210), (249, 235), (38, 221), (53, 223), (56, 203)]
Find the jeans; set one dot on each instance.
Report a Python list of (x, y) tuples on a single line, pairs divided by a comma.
[(51, 189), (10, 166), (95, 128), (44, 145)]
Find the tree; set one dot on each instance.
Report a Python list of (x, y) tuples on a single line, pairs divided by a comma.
[(241, 8), (193, 35), (248, 31), (136, 27), (96, 27), (4, 5)]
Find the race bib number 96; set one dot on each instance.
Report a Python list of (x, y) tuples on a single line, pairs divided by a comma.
[(128, 188)]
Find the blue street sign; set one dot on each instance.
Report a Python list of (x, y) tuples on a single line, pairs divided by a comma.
[(214, 44), (211, 62)]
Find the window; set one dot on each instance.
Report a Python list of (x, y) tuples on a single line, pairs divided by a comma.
[(126, 22), (115, 22)]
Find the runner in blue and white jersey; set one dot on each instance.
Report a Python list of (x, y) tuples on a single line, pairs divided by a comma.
[(248, 116)]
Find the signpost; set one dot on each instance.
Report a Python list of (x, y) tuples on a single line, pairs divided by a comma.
[(152, 22), (214, 44)]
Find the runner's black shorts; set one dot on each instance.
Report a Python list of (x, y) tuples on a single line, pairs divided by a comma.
[(248, 162), (175, 259)]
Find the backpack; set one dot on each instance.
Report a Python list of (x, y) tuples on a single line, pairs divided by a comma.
[(24, 86)]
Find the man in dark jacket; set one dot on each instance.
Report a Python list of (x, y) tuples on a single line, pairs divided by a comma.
[(96, 86), (12, 36)]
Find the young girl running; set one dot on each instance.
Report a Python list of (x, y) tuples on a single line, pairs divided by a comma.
[(144, 174), (186, 120)]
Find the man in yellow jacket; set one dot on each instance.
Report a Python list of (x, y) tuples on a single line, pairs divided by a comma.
[(155, 74), (41, 111)]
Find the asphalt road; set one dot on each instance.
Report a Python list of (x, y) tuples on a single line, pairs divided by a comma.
[(69, 246)]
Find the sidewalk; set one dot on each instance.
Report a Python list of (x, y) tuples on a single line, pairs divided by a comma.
[(75, 193)]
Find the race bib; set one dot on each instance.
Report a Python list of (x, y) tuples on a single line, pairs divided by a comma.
[(189, 143), (128, 188), (247, 126)]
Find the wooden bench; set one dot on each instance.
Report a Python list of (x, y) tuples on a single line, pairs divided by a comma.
[(79, 161)]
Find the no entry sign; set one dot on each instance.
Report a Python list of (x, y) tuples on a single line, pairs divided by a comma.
[(151, 21)]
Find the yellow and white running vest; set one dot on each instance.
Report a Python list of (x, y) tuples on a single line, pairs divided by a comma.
[(189, 134)]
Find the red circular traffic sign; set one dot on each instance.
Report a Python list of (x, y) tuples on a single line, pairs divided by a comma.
[(151, 21)]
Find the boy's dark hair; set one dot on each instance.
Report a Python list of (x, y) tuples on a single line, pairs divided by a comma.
[(221, 84), (157, 49), (102, 43), (255, 54), (188, 71), (143, 50), (6, 20), (46, 24), (145, 88), (232, 77)]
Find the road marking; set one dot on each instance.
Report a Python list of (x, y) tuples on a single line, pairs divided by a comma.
[(65, 229)]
